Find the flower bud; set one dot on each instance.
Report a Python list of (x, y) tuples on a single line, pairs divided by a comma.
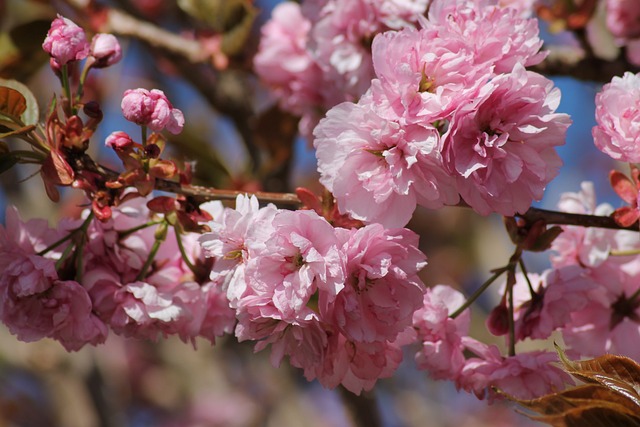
[(106, 50), (151, 109), (119, 141), (65, 41), (498, 320)]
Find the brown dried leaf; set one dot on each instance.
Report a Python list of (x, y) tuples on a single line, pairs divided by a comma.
[(12, 103), (611, 396)]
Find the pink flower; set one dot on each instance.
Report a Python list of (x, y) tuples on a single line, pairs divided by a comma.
[(285, 64), (618, 116), (119, 141), (499, 36), (590, 248), (382, 289), (502, 147), (357, 365), (623, 18), (236, 236), (556, 295), (377, 169), (152, 109), (301, 256), (422, 77), (50, 307), (65, 41), (524, 376), (610, 322), (442, 352), (106, 50)]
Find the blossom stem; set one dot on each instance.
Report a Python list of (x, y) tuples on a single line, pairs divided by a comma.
[(511, 280), (125, 233), (67, 89), (83, 227), (497, 273), (83, 77), (526, 277), (143, 130), (80, 247), (185, 258), (629, 252), (161, 234)]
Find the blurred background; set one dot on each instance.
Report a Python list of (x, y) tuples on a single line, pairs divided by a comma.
[(241, 141)]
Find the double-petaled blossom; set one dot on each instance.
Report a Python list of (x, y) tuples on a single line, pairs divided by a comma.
[(617, 132), (377, 169), (525, 376), (501, 147), (65, 41), (548, 305), (499, 36), (609, 322), (151, 109), (337, 302), (35, 302), (441, 337), (382, 289)]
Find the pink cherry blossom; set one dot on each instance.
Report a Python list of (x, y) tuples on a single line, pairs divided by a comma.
[(442, 351), (499, 36), (301, 258), (618, 118), (66, 41), (106, 50), (152, 109), (236, 236), (357, 366), (623, 18), (119, 141), (590, 248), (556, 295), (285, 64), (524, 376), (422, 77), (502, 147), (382, 289), (610, 322), (377, 169), (50, 307)]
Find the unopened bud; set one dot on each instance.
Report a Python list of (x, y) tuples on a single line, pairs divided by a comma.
[(106, 50)]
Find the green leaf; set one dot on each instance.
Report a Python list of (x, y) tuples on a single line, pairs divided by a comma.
[(24, 106)]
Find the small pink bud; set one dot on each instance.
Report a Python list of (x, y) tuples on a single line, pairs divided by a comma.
[(498, 320), (151, 109), (119, 141), (66, 41), (106, 50)]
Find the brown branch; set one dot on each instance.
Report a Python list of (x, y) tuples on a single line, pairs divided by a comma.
[(111, 20), (565, 218), (205, 193)]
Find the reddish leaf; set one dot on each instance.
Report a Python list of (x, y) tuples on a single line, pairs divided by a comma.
[(162, 204), (56, 169), (623, 186), (12, 103), (626, 216)]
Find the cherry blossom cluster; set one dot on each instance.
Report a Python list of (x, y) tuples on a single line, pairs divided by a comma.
[(127, 274), (337, 302), (451, 113), (317, 54)]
